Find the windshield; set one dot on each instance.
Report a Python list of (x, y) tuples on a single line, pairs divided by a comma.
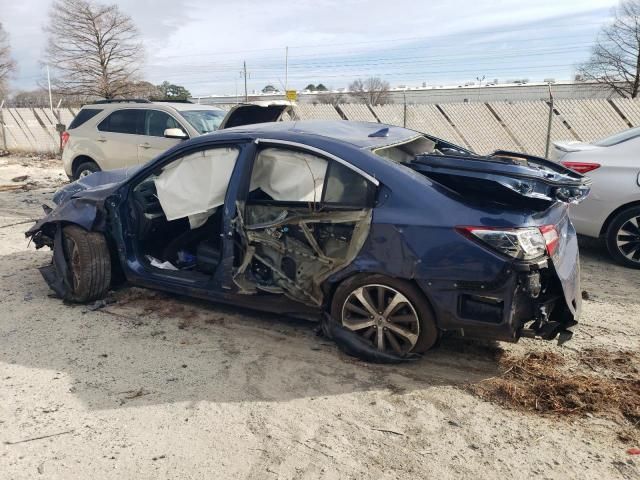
[(204, 121), (619, 137)]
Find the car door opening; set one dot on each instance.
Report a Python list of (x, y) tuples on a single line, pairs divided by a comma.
[(305, 218), (178, 212)]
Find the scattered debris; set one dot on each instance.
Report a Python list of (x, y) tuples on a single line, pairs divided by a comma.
[(158, 457), (97, 305), (538, 382), (634, 451), (141, 392), (383, 430), (20, 178), (39, 438), (6, 188)]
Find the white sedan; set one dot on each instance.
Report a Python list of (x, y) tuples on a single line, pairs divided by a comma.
[(612, 210)]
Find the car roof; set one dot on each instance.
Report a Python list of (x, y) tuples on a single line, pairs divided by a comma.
[(189, 106), (358, 134), (180, 106)]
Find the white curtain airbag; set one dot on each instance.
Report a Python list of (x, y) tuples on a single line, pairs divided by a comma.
[(288, 175), (196, 183)]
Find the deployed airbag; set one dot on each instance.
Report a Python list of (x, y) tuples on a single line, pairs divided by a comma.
[(288, 175), (196, 183)]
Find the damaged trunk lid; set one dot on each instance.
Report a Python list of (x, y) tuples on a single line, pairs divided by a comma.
[(506, 178)]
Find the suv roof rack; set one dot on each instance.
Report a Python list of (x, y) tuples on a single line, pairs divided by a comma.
[(122, 100), (169, 100)]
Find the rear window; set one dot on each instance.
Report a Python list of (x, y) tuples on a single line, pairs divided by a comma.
[(346, 187), (123, 121), (83, 116), (619, 138)]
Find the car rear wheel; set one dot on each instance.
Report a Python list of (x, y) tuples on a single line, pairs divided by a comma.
[(623, 237), (89, 263), (391, 314), (85, 168)]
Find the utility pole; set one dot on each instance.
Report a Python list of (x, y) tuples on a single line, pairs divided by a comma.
[(50, 98), (244, 70), (4, 132), (548, 143), (286, 69)]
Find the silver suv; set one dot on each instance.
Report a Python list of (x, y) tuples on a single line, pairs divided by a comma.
[(119, 133)]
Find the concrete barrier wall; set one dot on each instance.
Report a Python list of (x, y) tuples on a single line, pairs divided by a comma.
[(482, 127)]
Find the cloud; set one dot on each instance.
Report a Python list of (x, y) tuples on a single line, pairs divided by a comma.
[(202, 43)]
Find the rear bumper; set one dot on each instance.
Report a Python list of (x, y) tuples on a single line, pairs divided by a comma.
[(536, 299)]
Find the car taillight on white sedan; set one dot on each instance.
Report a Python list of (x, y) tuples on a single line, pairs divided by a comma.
[(581, 167), (520, 243), (64, 138)]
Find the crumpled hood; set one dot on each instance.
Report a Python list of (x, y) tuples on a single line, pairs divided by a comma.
[(95, 182)]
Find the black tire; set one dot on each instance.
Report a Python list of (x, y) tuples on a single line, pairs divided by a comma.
[(89, 263), (428, 333), (85, 168), (623, 237)]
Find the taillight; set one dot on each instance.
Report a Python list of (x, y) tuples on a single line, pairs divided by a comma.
[(519, 243), (64, 138), (581, 167), (551, 238)]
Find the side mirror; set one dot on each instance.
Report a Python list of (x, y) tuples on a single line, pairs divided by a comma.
[(175, 133)]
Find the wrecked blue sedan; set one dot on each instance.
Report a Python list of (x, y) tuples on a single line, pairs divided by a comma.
[(394, 235)]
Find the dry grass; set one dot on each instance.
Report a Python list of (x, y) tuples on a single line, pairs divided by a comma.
[(542, 382)]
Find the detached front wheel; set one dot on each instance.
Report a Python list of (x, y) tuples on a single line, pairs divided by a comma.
[(89, 263), (391, 314)]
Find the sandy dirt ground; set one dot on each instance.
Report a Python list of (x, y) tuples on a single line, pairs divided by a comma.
[(157, 387)]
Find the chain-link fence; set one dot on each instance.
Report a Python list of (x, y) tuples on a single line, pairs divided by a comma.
[(521, 126)]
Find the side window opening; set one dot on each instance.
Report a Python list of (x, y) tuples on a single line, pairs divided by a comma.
[(123, 121), (288, 176), (156, 122), (348, 188), (284, 175), (83, 116)]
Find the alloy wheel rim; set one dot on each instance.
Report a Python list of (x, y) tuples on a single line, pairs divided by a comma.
[(383, 316), (73, 261), (85, 173), (628, 239)]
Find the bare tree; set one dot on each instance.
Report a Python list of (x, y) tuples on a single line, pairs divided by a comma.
[(7, 65), (332, 98), (615, 59), (373, 91), (93, 49)]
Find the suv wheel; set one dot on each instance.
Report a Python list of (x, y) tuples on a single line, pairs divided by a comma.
[(85, 168), (623, 237), (390, 313)]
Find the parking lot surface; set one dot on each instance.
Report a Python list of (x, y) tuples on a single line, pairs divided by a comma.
[(154, 386)]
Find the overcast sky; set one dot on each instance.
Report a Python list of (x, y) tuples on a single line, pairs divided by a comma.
[(201, 44)]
